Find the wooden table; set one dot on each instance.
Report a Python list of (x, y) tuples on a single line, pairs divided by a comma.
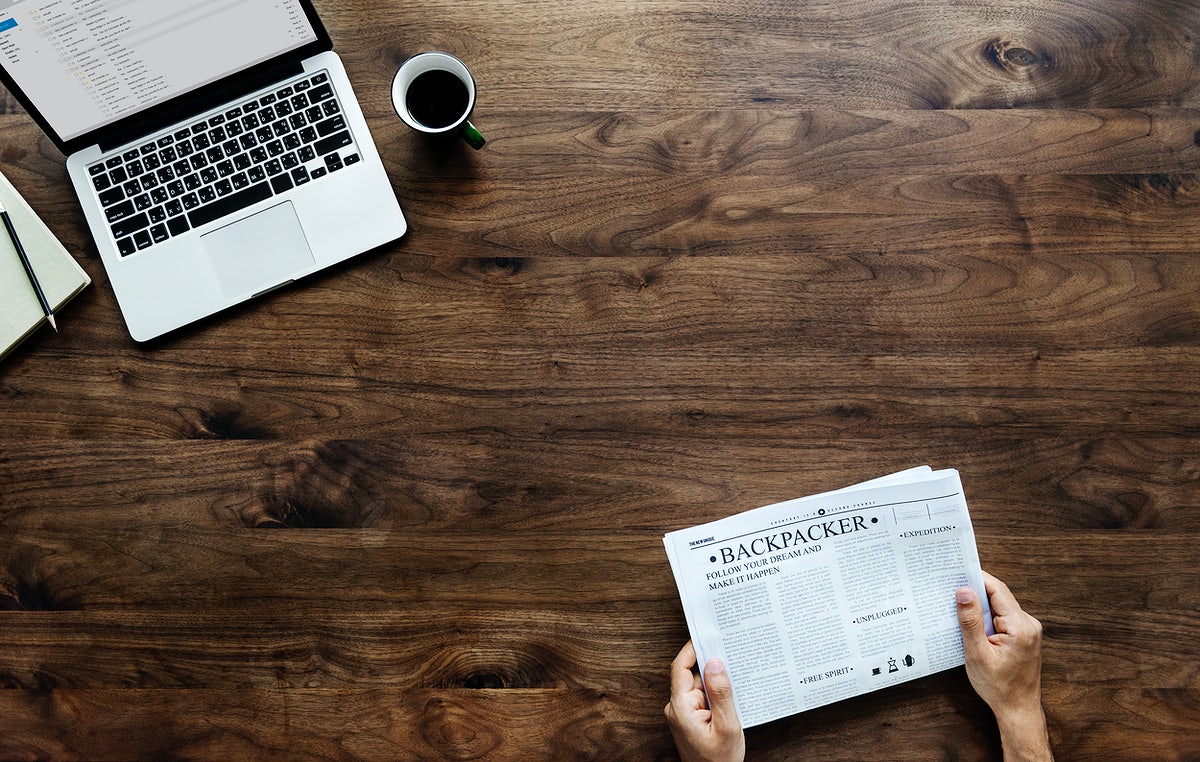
[(714, 255)]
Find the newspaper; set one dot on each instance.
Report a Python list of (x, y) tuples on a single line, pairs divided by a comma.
[(822, 598)]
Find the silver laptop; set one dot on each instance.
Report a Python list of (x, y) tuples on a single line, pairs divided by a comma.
[(216, 146)]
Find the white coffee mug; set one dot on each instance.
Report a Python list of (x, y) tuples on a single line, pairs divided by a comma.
[(427, 96)]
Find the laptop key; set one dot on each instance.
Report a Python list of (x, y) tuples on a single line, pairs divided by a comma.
[(130, 225), (330, 126), (332, 143), (178, 225), (111, 196), (126, 246), (229, 204), (119, 211)]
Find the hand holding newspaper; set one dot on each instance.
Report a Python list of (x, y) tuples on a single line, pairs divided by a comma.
[(818, 599)]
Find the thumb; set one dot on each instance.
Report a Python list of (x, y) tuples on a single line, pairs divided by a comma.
[(720, 696), (970, 621)]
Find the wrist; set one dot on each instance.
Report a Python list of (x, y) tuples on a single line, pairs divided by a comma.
[(1024, 735)]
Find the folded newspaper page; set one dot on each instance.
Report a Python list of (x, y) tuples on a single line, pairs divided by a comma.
[(818, 599)]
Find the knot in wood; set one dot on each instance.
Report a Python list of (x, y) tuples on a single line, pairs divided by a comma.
[(1014, 59)]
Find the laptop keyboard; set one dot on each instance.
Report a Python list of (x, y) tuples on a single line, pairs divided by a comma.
[(225, 162)]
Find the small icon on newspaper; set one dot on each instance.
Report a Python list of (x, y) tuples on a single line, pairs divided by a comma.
[(909, 660), (876, 671), (892, 666)]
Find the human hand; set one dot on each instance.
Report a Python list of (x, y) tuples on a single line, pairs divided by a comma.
[(1005, 669), (701, 733)]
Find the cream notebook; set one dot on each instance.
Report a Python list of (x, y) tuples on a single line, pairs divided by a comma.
[(57, 271)]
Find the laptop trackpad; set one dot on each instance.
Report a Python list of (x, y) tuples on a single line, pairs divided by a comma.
[(259, 252)]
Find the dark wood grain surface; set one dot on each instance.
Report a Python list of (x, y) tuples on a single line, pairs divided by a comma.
[(713, 256)]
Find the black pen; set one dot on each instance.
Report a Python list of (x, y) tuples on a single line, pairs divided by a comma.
[(37, 287)]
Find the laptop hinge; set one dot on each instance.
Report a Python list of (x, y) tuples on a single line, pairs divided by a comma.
[(197, 104)]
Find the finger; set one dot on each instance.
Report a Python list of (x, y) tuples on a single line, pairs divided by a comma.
[(1003, 602), (720, 697), (970, 622), (682, 677)]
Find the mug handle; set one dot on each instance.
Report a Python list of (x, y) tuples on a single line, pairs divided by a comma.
[(473, 136)]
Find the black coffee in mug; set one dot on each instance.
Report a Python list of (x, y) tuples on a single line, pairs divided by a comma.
[(434, 93), (437, 98)]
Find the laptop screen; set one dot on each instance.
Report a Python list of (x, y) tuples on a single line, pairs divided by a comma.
[(85, 64)]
